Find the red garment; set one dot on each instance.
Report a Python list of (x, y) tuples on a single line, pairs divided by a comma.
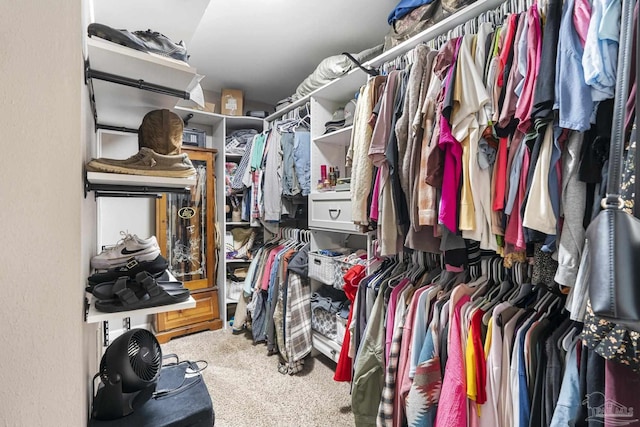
[(500, 181), (352, 279), (512, 27)]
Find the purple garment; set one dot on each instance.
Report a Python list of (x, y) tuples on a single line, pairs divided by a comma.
[(621, 390)]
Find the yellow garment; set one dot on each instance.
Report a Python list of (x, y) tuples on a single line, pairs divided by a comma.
[(487, 340), (470, 365)]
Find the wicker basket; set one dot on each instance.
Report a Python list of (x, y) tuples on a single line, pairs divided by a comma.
[(322, 268), (341, 327)]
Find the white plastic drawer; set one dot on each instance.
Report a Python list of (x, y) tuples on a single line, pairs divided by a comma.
[(331, 211)]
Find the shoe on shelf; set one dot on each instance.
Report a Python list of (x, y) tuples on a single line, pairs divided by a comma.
[(144, 41), (109, 290), (130, 246), (148, 163), (132, 266), (162, 45)]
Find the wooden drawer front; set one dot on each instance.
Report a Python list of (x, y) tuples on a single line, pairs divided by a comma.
[(206, 309), (332, 213)]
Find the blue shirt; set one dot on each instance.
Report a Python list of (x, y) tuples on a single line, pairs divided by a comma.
[(601, 48), (573, 95)]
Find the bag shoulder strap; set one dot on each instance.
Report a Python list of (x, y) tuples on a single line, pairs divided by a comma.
[(636, 201), (622, 89)]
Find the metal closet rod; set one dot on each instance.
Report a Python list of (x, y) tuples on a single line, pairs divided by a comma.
[(138, 84)]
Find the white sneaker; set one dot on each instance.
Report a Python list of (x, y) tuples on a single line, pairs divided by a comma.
[(131, 246)]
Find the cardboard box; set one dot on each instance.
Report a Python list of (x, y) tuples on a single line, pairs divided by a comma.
[(209, 107), (231, 102)]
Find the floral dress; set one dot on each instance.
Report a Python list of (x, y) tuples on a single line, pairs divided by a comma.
[(609, 340)]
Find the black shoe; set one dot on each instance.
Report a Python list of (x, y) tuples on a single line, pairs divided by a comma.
[(145, 41), (162, 45), (155, 268), (121, 37)]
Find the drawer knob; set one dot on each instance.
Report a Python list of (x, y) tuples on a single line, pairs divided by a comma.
[(334, 213)]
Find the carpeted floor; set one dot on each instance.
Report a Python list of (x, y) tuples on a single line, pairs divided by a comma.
[(248, 391)]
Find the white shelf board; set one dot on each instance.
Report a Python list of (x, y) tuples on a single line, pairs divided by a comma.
[(335, 90), (339, 137), (124, 106), (441, 27), (122, 61), (244, 122), (334, 230), (98, 316), (139, 180), (330, 195), (199, 117)]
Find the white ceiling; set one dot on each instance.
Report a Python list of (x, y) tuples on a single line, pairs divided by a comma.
[(265, 48)]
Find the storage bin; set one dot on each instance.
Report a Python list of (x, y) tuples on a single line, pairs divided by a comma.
[(234, 290), (322, 267), (341, 327), (194, 137), (328, 270)]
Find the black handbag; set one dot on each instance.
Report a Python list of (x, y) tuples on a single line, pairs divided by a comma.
[(613, 237)]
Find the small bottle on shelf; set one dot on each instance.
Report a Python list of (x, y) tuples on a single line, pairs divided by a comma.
[(332, 178)]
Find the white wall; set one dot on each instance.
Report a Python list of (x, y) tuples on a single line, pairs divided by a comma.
[(43, 261)]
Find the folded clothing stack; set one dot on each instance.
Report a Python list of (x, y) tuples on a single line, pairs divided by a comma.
[(326, 305), (341, 118), (236, 142)]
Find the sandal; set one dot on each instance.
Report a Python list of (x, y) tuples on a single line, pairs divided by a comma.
[(151, 294), (156, 268), (106, 291)]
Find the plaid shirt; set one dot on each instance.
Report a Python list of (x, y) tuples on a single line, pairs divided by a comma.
[(385, 410), (298, 323)]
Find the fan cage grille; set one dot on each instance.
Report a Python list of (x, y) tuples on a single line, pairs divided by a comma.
[(146, 371)]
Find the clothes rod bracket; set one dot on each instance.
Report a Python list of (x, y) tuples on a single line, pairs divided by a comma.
[(138, 84)]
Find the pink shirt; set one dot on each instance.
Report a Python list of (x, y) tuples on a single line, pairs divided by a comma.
[(375, 196), (391, 316), (267, 269), (534, 37), (403, 383), (581, 19), (452, 410)]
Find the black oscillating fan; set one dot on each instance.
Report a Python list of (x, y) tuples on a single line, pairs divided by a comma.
[(129, 372)]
